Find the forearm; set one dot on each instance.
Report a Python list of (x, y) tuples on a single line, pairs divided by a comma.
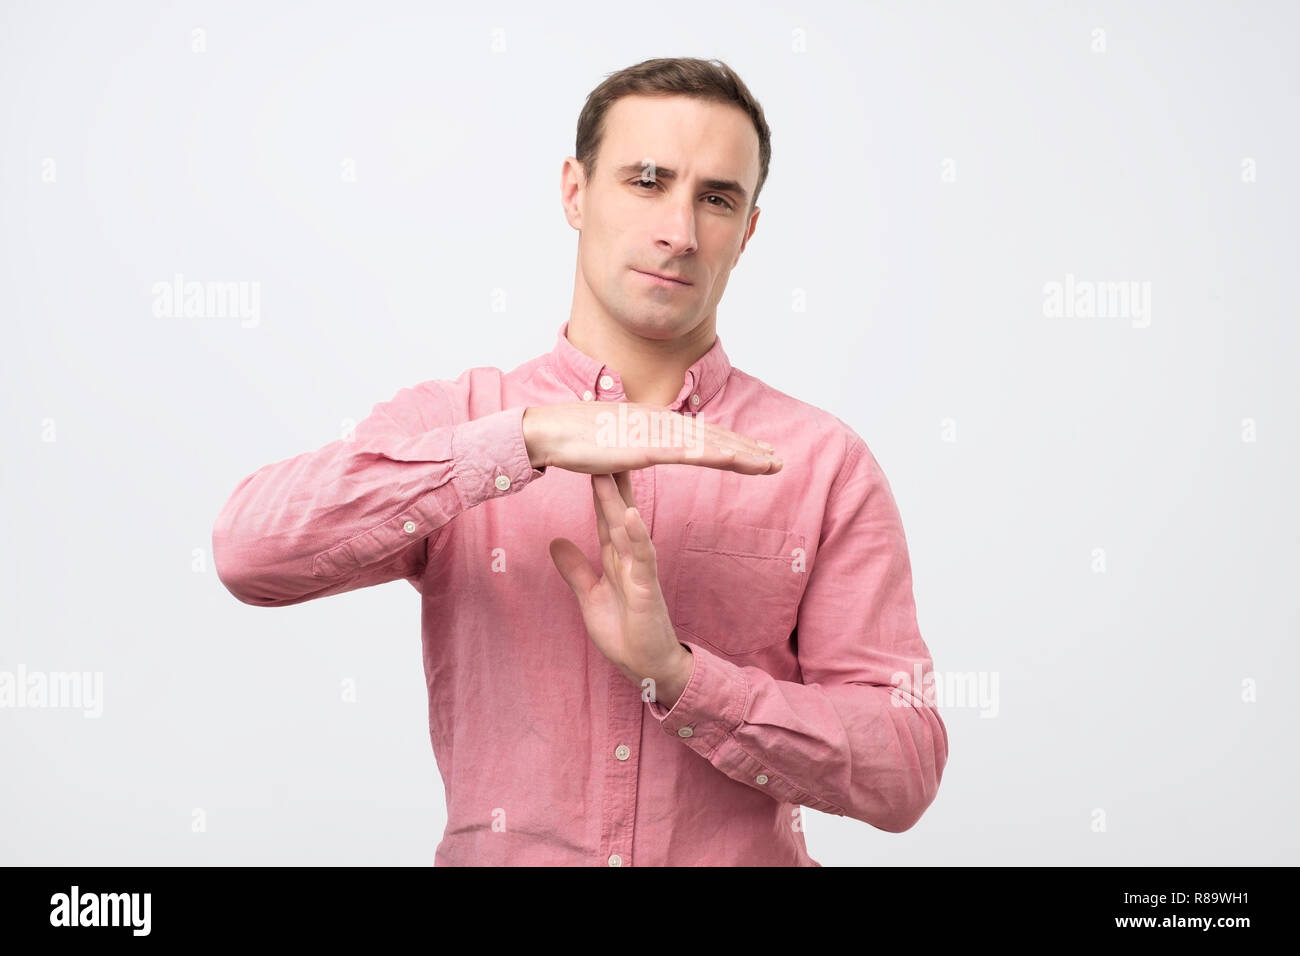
[(358, 512), (848, 749)]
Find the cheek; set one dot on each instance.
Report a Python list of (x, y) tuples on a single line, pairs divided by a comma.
[(598, 236), (718, 278), (595, 248)]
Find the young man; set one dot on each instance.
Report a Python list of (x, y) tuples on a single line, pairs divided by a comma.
[(731, 633)]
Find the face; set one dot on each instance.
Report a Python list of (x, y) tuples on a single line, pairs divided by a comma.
[(670, 195)]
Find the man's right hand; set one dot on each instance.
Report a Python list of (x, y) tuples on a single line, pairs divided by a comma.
[(595, 438)]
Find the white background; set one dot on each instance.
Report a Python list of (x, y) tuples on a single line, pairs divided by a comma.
[(934, 166)]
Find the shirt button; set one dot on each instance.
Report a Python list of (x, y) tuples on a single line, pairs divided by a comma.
[(684, 732), (761, 778), (623, 752), (695, 399), (409, 527), (503, 482), (587, 396), (615, 860), (606, 382)]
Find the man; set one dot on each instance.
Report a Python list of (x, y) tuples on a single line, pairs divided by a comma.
[(731, 633)]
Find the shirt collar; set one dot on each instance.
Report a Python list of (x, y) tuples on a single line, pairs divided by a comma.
[(592, 380)]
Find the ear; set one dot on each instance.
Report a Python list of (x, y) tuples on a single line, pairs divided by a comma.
[(573, 185), (753, 224)]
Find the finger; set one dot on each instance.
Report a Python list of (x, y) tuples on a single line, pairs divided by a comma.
[(573, 567), (697, 442), (602, 527), (745, 446), (615, 511), (624, 481), (645, 571), (682, 429), (709, 454), (728, 438)]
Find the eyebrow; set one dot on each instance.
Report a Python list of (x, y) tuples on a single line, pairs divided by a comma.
[(663, 172)]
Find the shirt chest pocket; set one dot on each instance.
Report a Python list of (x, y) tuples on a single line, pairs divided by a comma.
[(737, 588)]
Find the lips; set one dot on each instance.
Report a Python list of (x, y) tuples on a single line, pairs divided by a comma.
[(661, 275)]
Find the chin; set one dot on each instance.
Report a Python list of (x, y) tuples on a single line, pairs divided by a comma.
[(649, 326)]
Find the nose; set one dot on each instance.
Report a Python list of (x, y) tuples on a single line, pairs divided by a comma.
[(675, 229)]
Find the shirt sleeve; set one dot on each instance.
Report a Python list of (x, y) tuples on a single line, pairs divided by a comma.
[(360, 511), (860, 736)]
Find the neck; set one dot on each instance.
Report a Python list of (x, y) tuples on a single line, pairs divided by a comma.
[(652, 370)]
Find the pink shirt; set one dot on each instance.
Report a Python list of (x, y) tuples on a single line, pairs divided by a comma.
[(811, 684)]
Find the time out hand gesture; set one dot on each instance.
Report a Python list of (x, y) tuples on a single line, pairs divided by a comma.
[(623, 608)]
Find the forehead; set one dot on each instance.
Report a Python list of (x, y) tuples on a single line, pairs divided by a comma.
[(702, 137)]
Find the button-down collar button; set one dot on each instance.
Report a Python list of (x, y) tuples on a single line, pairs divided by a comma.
[(761, 778), (587, 396), (409, 527), (606, 382), (615, 860), (503, 482), (684, 732), (623, 751), (695, 399)]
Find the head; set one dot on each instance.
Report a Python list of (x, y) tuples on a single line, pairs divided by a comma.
[(670, 158)]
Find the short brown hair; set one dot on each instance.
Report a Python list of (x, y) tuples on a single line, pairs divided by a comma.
[(666, 76)]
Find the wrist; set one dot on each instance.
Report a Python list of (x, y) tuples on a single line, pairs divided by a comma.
[(533, 442), (673, 684)]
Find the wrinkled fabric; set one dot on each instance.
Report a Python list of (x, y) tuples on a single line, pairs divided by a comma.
[(811, 683)]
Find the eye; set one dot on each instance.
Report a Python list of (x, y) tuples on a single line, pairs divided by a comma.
[(653, 184)]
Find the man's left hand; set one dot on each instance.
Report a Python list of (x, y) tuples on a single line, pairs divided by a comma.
[(624, 610)]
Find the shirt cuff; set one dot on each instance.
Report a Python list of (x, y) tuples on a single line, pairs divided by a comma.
[(490, 458), (712, 704)]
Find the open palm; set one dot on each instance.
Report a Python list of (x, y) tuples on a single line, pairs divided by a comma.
[(623, 608)]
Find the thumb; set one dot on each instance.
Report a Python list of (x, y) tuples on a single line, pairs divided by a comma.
[(573, 566)]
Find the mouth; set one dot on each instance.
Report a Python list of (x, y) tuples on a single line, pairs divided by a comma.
[(663, 280)]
